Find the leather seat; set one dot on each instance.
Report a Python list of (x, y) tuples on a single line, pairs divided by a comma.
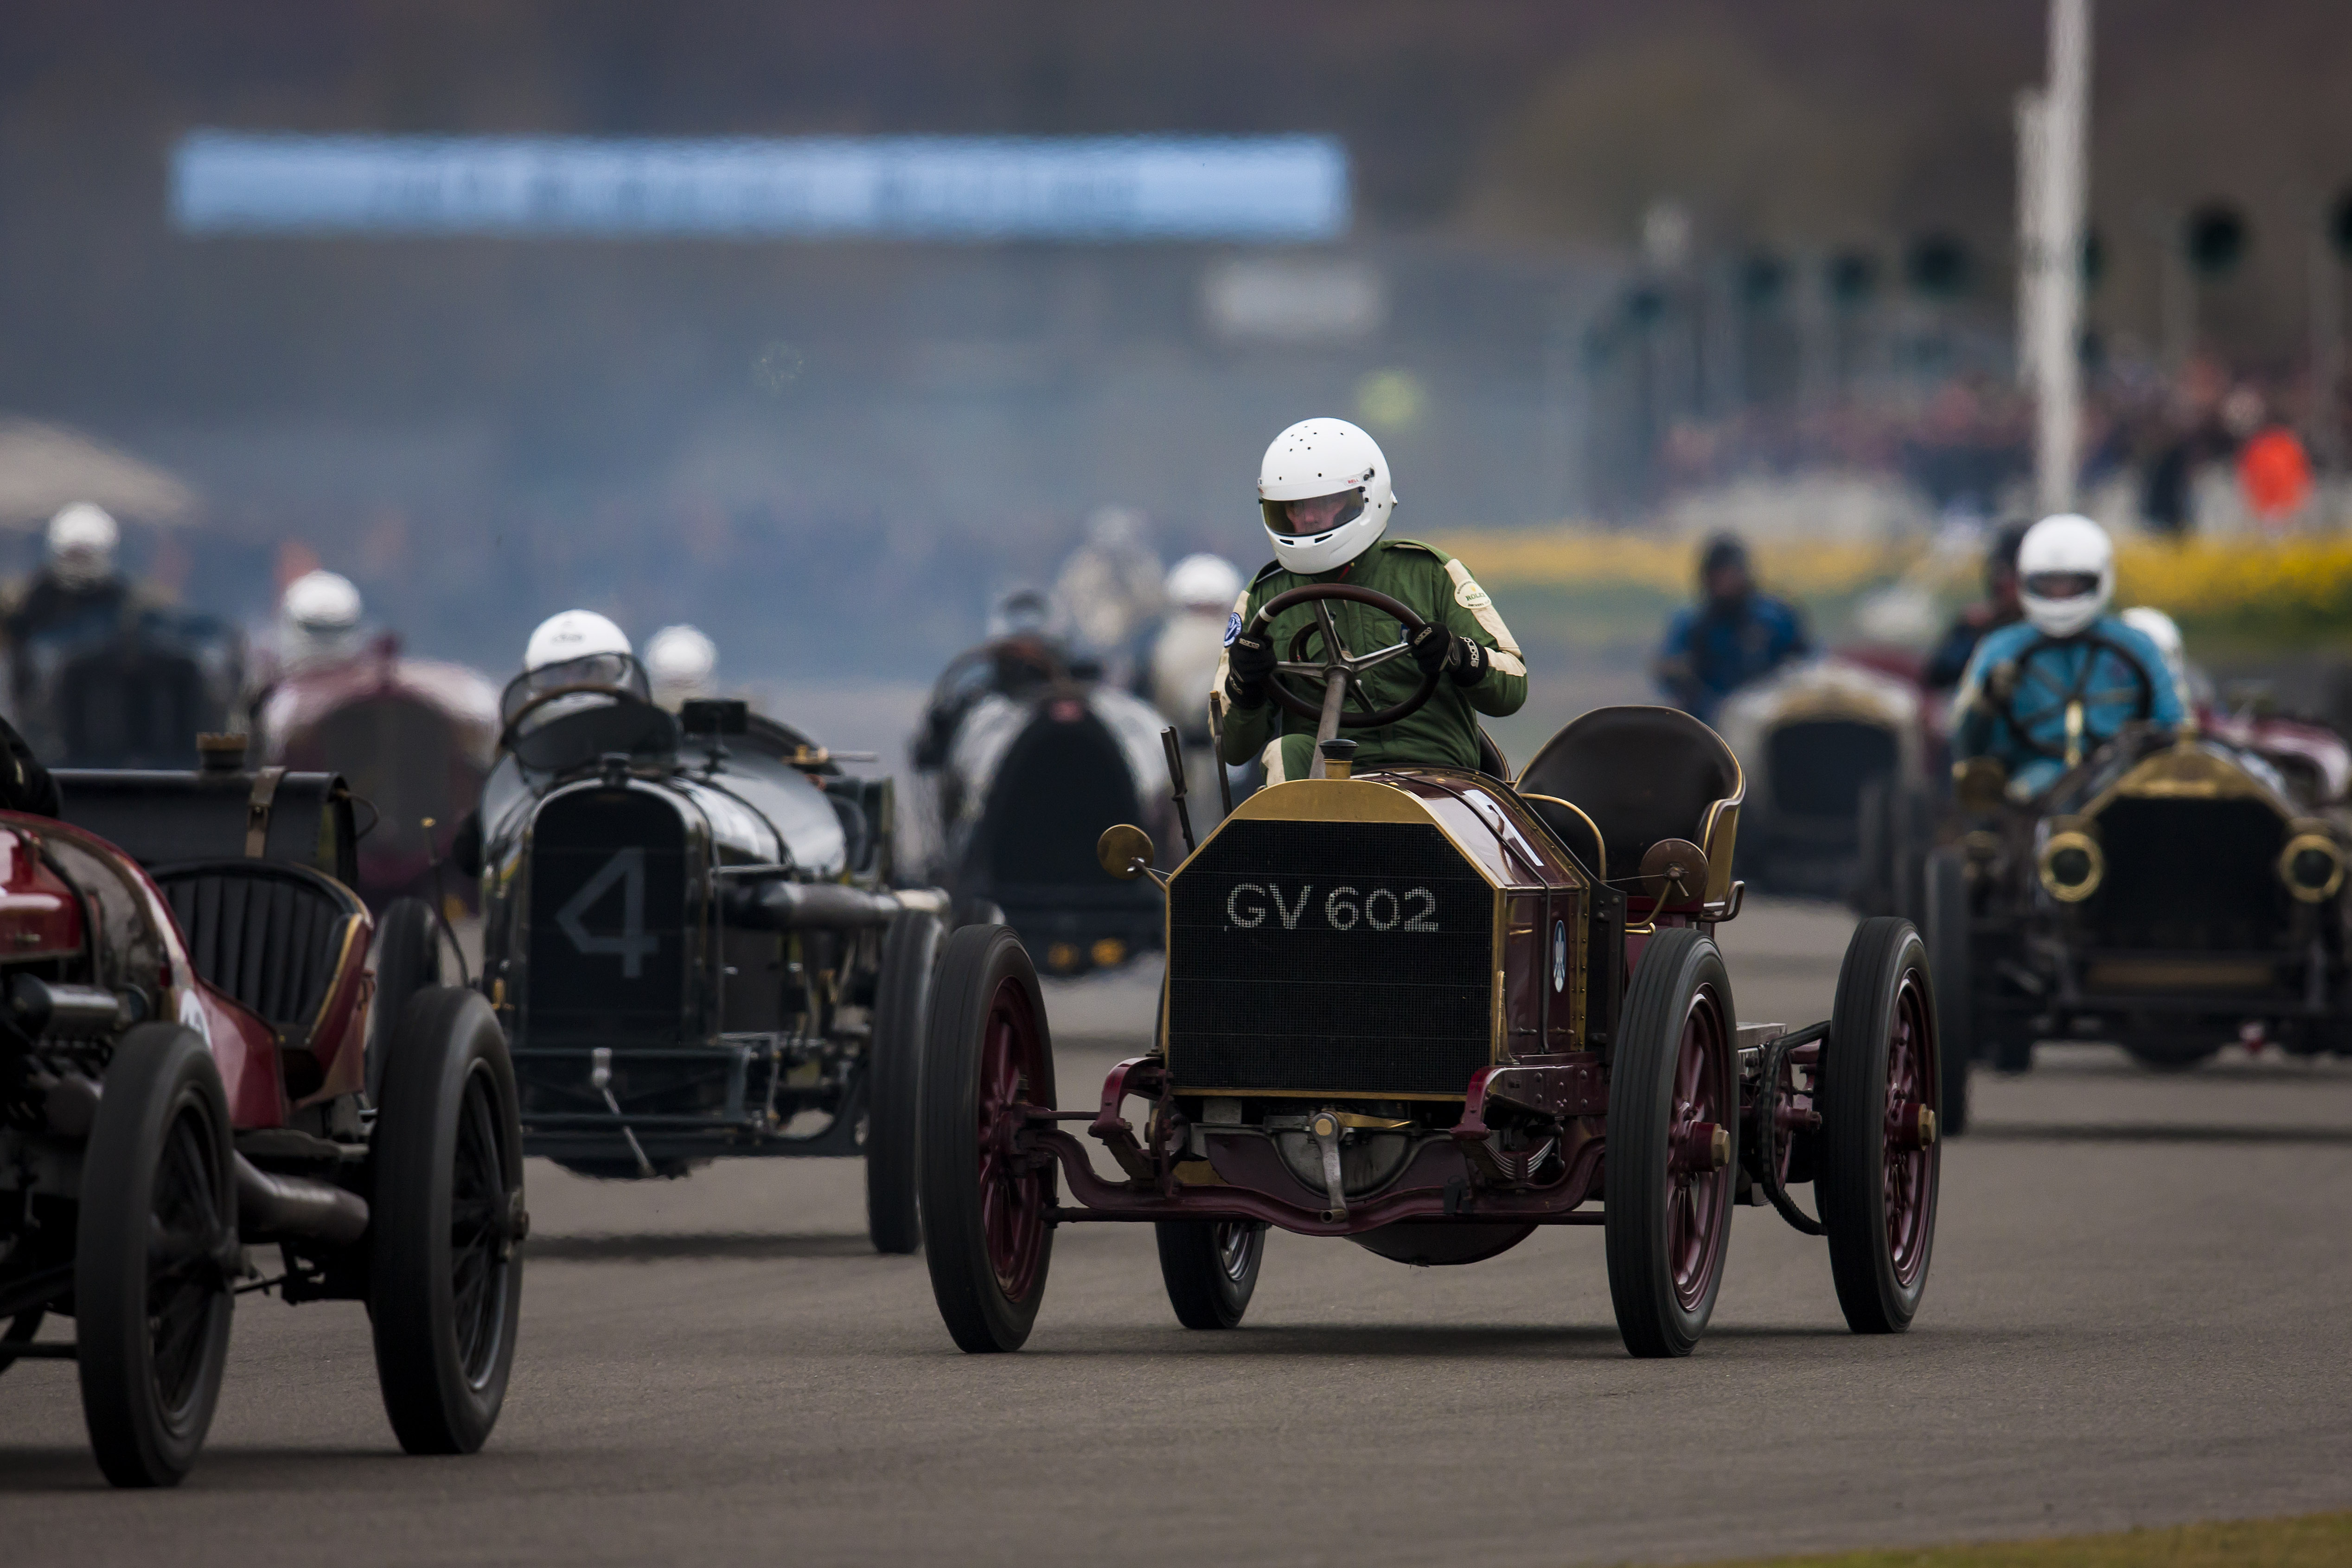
[(1642, 775), (269, 935)]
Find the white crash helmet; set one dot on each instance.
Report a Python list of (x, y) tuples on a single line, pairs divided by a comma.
[(573, 634), (1204, 583), (1317, 458), (318, 616), (82, 539), (2164, 633), (2065, 573), (680, 661)]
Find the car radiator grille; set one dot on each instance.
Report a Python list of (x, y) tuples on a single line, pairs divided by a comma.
[(1330, 958), (607, 921)]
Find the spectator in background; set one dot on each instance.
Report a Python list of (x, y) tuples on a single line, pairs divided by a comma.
[(2275, 474), (1733, 635), (1999, 608)]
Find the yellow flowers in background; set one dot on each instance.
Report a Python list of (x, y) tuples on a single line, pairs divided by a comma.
[(1585, 560), (2291, 589)]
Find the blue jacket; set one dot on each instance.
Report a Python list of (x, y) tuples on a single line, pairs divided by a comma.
[(2055, 672), (1707, 655)]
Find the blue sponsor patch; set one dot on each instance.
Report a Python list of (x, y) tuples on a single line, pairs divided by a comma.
[(1232, 627)]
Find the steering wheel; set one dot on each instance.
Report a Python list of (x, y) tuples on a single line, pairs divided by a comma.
[(1339, 673), (2101, 657)]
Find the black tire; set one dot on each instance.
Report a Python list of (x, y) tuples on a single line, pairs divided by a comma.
[(902, 1006), (1882, 1032), (21, 1330), (445, 1265), (1211, 1269), (985, 1005), (1665, 1289), (407, 960), (1947, 937), (155, 1257)]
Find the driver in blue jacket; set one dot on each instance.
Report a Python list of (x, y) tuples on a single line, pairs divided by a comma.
[(2043, 694)]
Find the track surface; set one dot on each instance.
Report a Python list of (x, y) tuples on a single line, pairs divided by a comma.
[(2137, 1315)]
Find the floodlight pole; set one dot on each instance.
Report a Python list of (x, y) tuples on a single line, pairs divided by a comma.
[(2054, 169)]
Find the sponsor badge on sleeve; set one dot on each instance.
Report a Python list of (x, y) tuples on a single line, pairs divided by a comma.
[(1232, 627)]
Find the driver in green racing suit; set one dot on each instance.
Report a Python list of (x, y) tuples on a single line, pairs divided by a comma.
[(1325, 491)]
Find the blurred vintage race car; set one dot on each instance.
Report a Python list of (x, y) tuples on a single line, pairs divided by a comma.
[(1429, 1011), (191, 1068), (693, 934), (132, 690), (1022, 761), (2167, 892), (415, 739), (1837, 759)]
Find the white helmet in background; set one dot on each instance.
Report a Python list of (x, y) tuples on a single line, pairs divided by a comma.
[(319, 618), (680, 661), (82, 539), (2066, 573), (573, 634), (1332, 462), (2164, 633), (1204, 583)]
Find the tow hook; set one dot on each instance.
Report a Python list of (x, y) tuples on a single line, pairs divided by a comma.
[(599, 1079), (1326, 1129)]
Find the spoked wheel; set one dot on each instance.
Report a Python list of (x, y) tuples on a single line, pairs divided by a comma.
[(155, 1255), (1673, 1131), (1211, 1269), (984, 1202), (445, 1273), (902, 1001), (1880, 1080), (1948, 955), (407, 960)]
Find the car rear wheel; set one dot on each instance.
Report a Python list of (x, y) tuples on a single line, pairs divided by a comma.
[(407, 960), (1879, 1153), (157, 1253), (902, 1002), (1211, 1269), (1673, 1152), (1947, 957), (984, 1202), (445, 1269)]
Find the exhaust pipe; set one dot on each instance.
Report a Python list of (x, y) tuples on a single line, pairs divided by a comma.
[(268, 1205), (780, 905)]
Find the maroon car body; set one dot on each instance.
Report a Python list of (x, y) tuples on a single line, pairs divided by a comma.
[(185, 1043), (415, 738)]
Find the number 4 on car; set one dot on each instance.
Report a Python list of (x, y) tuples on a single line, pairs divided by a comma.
[(1428, 1010)]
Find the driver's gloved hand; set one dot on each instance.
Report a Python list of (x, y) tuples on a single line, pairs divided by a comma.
[(1435, 649), (1250, 664)]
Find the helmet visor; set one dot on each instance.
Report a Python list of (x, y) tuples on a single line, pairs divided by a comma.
[(1319, 515), (2062, 585)]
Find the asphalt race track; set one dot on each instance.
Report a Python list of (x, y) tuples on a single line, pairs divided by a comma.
[(2138, 1314)]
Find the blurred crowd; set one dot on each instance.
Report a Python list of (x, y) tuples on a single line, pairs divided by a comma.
[(2209, 450)]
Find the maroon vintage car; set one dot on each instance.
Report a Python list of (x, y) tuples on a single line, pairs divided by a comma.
[(188, 1024), (415, 738), (1428, 1010)]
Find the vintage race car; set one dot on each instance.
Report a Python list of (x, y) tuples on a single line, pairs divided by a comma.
[(693, 934), (131, 691), (1020, 761), (187, 1041), (415, 737), (1429, 1011), (1837, 759), (2168, 893)]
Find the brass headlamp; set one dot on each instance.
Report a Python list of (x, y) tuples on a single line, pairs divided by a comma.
[(2312, 866), (2071, 866)]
